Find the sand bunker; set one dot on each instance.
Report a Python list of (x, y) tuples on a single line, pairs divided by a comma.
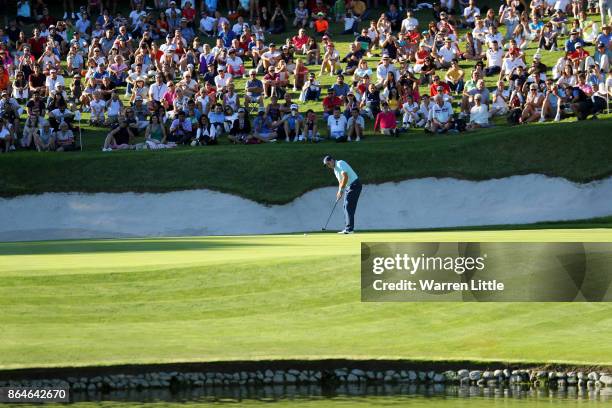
[(421, 203)]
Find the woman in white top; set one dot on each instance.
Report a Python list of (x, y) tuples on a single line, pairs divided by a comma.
[(362, 70)]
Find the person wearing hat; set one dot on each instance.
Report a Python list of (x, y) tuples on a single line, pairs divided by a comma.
[(578, 56), (331, 60), (573, 41), (320, 24), (601, 58), (349, 187), (270, 57), (264, 127), (253, 89), (290, 124), (52, 80), (235, 65), (64, 138), (445, 54), (311, 90), (181, 130)]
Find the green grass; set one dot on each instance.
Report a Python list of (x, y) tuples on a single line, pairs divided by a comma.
[(103, 302), (279, 173)]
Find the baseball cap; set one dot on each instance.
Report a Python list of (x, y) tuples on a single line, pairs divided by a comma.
[(241, 110), (601, 45), (294, 106), (139, 98), (578, 45), (261, 109), (327, 159)]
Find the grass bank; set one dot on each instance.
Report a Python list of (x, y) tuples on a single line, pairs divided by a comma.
[(277, 174)]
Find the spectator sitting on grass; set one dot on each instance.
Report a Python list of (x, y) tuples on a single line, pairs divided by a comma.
[(330, 103), (44, 138), (263, 127), (240, 130), (217, 118), (64, 138), (355, 126), (206, 133), (385, 121), (155, 134), (311, 91), (120, 138), (253, 89), (6, 136), (440, 116), (479, 114), (336, 126), (292, 123), (310, 129), (181, 131), (321, 25)]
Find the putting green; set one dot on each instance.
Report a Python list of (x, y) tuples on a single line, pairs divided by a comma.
[(102, 302)]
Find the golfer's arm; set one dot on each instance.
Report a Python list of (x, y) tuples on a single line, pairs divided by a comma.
[(343, 181)]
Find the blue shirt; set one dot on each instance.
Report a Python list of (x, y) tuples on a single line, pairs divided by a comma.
[(342, 166)]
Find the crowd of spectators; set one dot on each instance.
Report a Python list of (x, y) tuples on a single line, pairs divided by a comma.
[(166, 72)]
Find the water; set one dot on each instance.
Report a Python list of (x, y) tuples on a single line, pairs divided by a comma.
[(351, 396)]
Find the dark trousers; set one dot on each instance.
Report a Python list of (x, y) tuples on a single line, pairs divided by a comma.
[(351, 196)]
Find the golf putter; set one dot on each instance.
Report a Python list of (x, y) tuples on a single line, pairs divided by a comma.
[(330, 215)]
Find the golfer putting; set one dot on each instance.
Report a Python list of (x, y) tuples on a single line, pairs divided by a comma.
[(349, 186)]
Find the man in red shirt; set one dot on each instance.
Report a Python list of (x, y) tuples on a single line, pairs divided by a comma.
[(37, 44), (330, 102), (577, 56), (385, 121), (189, 13), (300, 40), (270, 82), (435, 86)]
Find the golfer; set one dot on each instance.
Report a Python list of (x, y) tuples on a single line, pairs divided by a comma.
[(349, 186)]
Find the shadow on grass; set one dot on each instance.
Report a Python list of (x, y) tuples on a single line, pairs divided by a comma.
[(124, 245)]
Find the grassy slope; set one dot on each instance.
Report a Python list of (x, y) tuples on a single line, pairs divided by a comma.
[(279, 173), (273, 297), (577, 151)]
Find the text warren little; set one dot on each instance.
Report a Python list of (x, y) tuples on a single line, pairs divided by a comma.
[(431, 285)]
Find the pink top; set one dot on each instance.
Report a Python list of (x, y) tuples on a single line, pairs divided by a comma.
[(385, 120)]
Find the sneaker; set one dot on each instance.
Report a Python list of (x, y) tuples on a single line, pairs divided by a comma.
[(542, 120), (557, 118), (65, 15), (358, 139), (12, 147), (287, 139), (345, 232), (349, 140)]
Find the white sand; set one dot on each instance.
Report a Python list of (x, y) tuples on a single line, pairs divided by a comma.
[(422, 203)]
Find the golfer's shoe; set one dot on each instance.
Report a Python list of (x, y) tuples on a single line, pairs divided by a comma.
[(345, 231)]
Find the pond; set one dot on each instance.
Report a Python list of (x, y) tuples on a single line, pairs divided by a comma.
[(351, 395)]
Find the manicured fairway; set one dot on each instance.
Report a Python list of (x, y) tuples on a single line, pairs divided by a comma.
[(68, 303)]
